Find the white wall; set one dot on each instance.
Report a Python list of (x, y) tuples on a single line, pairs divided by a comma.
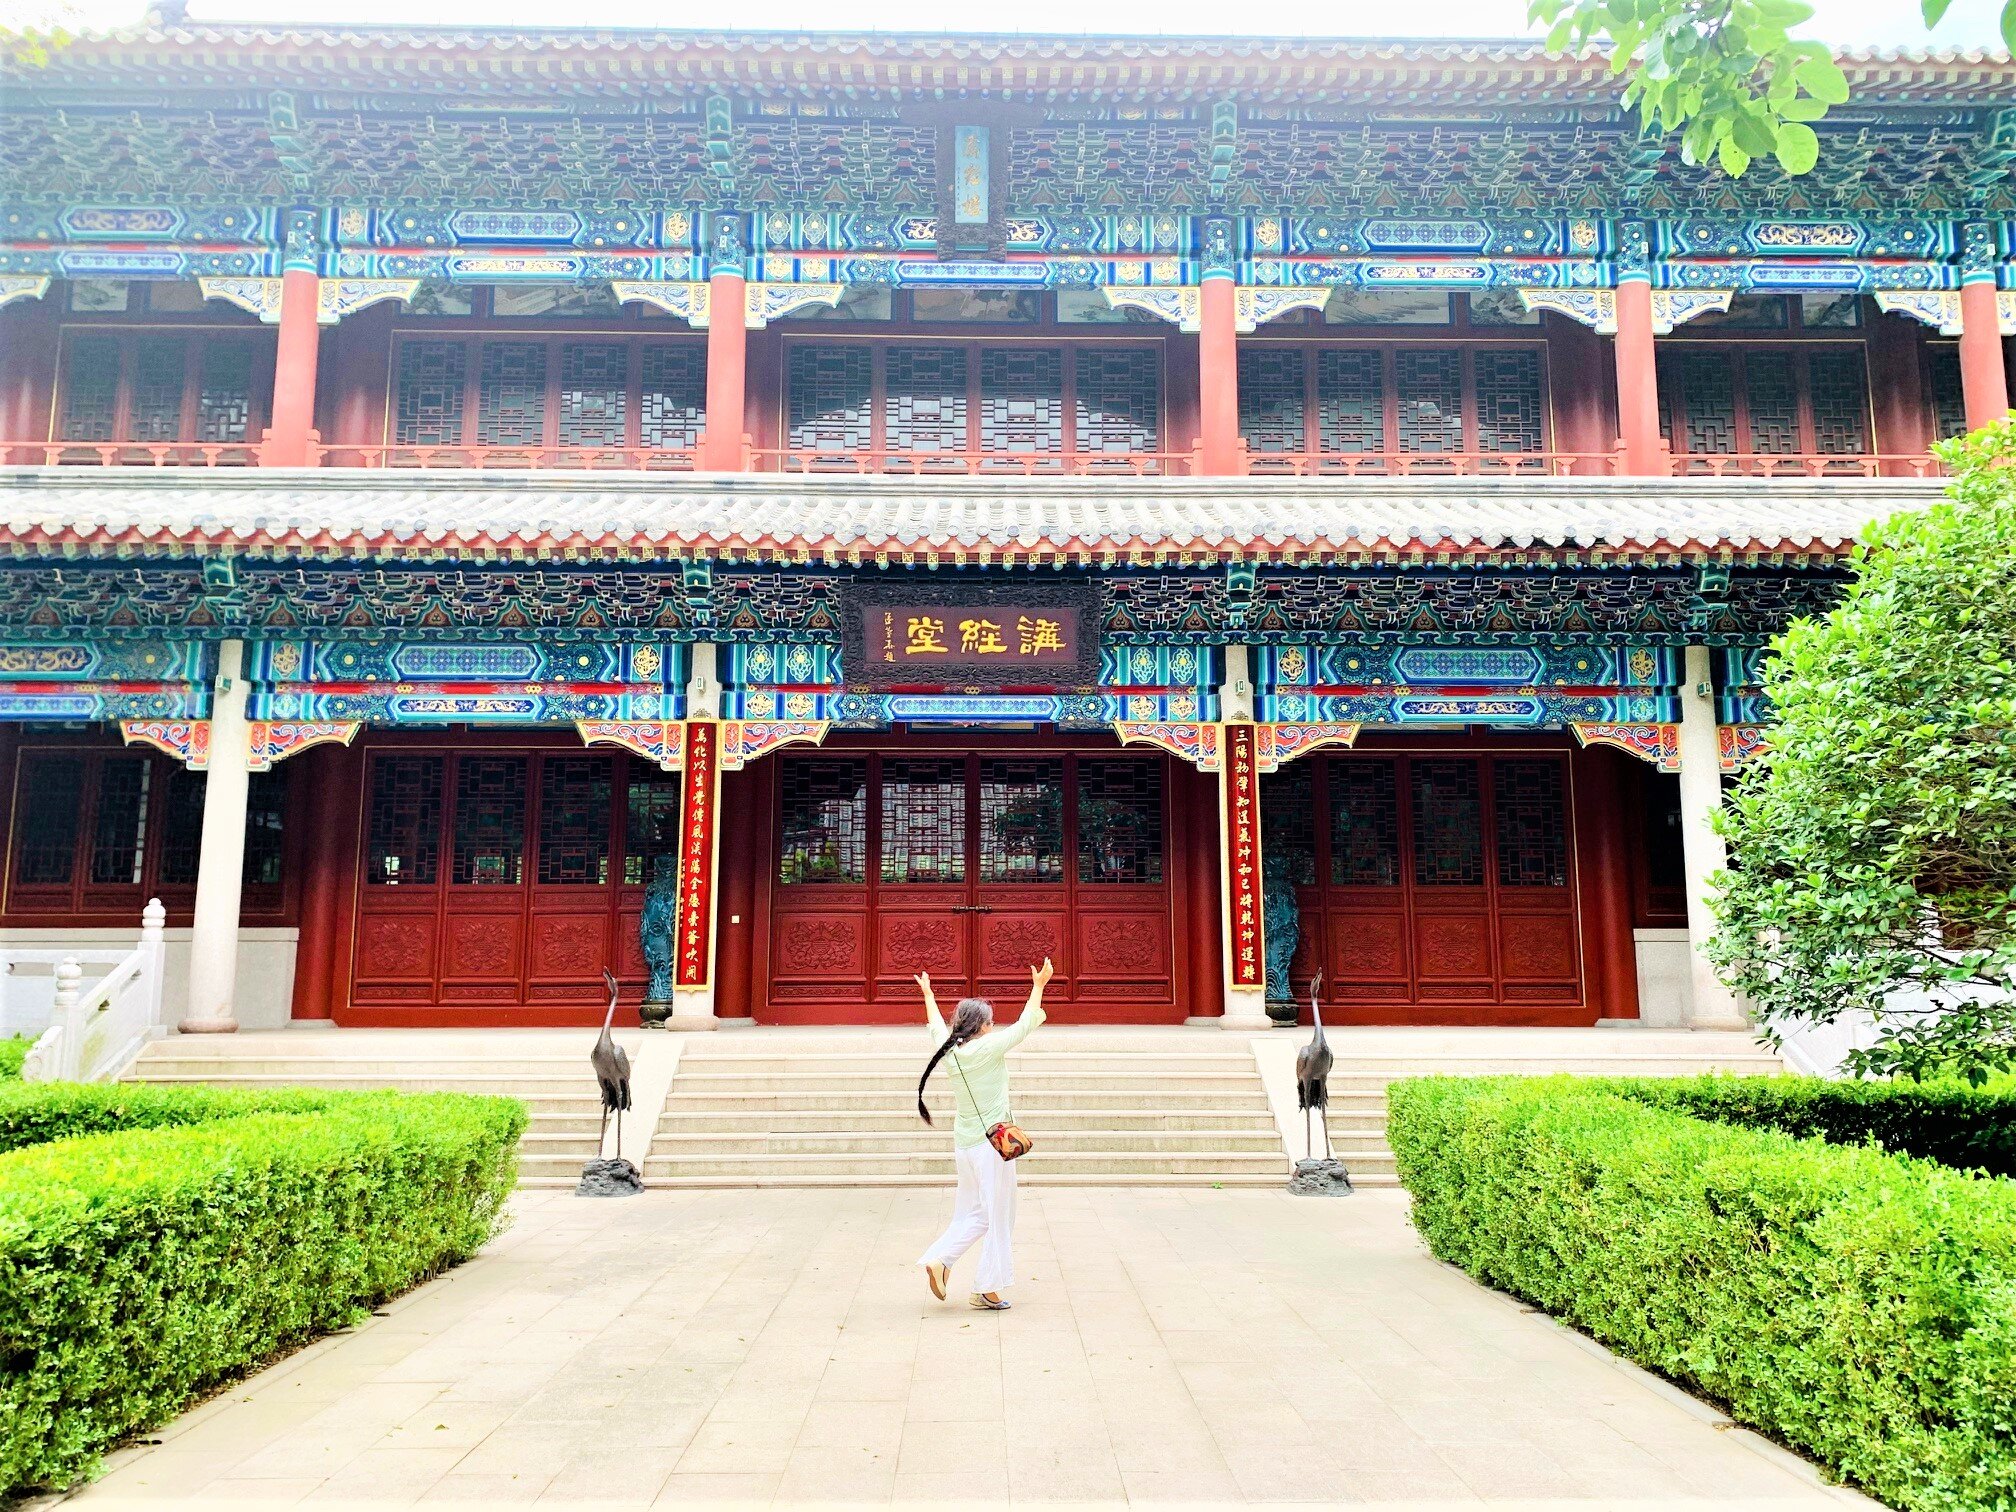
[(265, 973), (1665, 978)]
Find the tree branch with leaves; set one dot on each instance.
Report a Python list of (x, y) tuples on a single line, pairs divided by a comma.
[(1727, 75)]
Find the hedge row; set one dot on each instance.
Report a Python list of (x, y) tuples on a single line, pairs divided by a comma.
[(1857, 1305), (1971, 1128), (138, 1268), (13, 1051), (33, 1113)]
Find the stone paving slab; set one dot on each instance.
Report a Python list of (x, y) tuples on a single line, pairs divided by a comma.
[(777, 1348)]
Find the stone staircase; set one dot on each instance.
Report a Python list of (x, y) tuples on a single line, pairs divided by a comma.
[(1367, 1062), (548, 1073), (825, 1112)]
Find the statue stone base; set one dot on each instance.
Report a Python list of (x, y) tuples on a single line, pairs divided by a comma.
[(653, 1012), (1284, 1015), (610, 1178), (1320, 1178)]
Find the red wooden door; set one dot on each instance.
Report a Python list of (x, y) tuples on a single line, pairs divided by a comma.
[(971, 867), (1434, 886), (503, 879)]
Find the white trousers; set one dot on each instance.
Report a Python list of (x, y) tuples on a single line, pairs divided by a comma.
[(983, 1213)]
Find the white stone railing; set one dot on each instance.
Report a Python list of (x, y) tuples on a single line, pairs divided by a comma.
[(96, 1032)]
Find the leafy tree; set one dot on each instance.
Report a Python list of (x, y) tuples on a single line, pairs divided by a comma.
[(1873, 848), (1726, 74)]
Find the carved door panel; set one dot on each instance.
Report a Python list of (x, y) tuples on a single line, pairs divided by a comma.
[(1020, 897), (973, 868), (924, 910), (1366, 930), (1452, 937), (498, 877)]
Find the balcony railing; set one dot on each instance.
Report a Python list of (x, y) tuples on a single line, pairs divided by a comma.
[(1554, 464)]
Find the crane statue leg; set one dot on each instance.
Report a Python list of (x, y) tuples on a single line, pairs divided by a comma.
[(602, 1133), (1325, 1114)]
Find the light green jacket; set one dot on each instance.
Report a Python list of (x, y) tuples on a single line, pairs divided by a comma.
[(980, 1080)]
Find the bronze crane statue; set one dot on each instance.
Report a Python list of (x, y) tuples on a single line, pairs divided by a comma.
[(1312, 1073), (612, 1071)]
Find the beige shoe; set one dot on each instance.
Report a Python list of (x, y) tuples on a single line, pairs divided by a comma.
[(988, 1302), (938, 1276)]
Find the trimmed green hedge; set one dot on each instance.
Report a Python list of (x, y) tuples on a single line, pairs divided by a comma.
[(13, 1051), (1856, 1305), (33, 1113), (139, 1268), (1971, 1128)]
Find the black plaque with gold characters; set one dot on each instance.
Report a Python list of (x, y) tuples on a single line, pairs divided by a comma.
[(970, 635)]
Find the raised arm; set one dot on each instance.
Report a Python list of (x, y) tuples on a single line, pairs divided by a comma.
[(937, 1019), (1032, 1011)]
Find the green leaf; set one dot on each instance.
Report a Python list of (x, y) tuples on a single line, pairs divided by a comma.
[(1822, 78), (1735, 161), (1802, 108), (1934, 11), (1754, 134), (1798, 148), (2009, 25)]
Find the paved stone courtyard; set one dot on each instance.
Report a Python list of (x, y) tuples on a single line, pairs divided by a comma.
[(749, 1348)]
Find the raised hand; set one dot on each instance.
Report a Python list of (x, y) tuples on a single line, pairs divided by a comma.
[(1039, 975), (923, 980)]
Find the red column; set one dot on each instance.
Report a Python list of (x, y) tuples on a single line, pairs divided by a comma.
[(1984, 381), (327, 854), (363, 363), (1602, 846), (291, 428), (28, 335), (1217, 381), (727, 366), (1895, 353), (1203, 917), (1637, 381), (742, 800)]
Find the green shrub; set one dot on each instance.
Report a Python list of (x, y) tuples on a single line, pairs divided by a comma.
[(1858, 1306), (1969, 1128), (140, 1267), (33, 1113), (13, 1051)]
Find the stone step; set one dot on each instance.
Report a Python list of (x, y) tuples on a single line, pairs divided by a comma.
[(697, 1062), (844, 1169), (790, 1121), (566, 1181), (575, 1087), (569, 1068), (684, 1100), (794, 1078), (1073, 1141)]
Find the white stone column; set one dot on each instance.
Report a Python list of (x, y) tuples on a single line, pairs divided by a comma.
[(1245, 1007), (1714, 1006), (700, 804), (220, 865)]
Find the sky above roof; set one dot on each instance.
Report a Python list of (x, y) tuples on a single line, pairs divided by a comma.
[(1846, 23)]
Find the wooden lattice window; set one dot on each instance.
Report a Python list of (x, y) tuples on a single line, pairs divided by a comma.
[(1117, 401), (1530, 803), (1021, 820), (96, 832), (432, 389), (1288, 819), (923, 820), (1944, 395), (1419, 400), (1120, 821), (1022, 401), (673, 403), (1448, 823), (489, 828), (650, 821), (831, 399), (403, 844), (822, 820), (594, 398), (1793, 399), (925, 409), (576, 794), (534, 393), (1273, 402), (1365, 823), (157, 387)]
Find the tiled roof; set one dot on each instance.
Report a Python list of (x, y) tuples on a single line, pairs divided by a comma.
[(353, 514), (497, 59)]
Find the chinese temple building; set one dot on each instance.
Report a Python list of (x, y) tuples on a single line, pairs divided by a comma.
[(773, 514)]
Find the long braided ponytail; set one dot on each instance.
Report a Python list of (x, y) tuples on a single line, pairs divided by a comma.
[(968, 1019)]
